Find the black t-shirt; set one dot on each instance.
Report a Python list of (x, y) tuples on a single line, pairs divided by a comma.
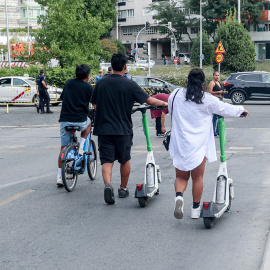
[(114, 96), (76, 97), (39, 80)]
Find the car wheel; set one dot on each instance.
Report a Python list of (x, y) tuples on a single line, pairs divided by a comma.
[(238, 97)]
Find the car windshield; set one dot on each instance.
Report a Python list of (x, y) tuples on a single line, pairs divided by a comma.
[(31, 81)]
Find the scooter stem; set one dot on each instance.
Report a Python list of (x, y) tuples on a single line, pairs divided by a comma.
[(146, 131), (222, 138)]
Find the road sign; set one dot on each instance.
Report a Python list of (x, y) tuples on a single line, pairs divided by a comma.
[(220, 48), (219, 58), (202, 56)]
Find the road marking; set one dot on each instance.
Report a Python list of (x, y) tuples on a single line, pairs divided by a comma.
[(259, 128), (143, 146), (27, 180), (15, 197), (241, 148), (29, 126)]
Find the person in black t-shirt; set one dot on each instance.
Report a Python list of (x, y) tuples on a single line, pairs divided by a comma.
[(76, 97), (113, 99), (44, 97)]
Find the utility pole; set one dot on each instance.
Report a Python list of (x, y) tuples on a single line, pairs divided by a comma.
[(8, 46), (201, 34), (29, 44), (239, 11)]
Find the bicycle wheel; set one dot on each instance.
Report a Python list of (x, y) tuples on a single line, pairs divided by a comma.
[(69, 177), (92, 161)]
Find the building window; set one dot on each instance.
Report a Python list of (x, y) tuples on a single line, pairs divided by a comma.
[(262, 27), (183, 30), (149, 12), (136, 30), (125, 0), (151, 31), (127, 31), (194, 30), (126, 13)]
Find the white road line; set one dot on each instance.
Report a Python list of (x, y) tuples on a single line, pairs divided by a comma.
[(27, 180), (15, 197), (240, 148)]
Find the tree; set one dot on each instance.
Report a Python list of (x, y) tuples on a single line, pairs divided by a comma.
[(71, 30), (172, 12), (240, 50), (109, 48), (207, 49), (215, 11)]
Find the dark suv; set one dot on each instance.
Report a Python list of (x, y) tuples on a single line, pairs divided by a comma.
[(242, 86)]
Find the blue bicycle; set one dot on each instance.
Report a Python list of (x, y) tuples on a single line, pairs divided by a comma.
[(74, 164)]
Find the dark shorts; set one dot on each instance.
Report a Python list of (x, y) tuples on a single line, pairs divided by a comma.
[(114, 147)]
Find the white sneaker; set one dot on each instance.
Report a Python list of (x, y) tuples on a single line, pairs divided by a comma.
[(81, 151), (59, 181), (179, 206), (195, 213)]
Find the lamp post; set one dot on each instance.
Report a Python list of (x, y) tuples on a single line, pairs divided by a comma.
[(239, 11), (8, 47), (201, 34)]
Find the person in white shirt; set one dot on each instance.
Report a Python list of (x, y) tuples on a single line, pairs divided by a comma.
[(192, 139)]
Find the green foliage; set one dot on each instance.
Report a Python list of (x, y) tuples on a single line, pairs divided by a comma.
[(240, 50), (207, 50), (169, 11), (109, 48), (4, 47), (215, 11), (71, 30), (120, 47)]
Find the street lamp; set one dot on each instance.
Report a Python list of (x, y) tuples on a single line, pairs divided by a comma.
[(201, 56), (239, 11)]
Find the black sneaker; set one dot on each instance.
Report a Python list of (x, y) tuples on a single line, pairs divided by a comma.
[(49, 112), (161, 135), (108, 194), (123, 193), (37, 109)]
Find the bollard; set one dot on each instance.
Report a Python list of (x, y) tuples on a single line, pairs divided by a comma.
[(7, 108)]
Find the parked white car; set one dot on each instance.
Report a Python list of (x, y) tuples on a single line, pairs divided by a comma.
[(19, 89), (143, 64)]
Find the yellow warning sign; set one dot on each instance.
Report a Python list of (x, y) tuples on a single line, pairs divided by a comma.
[(220, 48)]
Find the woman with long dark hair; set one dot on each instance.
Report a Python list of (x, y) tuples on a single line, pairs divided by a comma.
[(192, 138)]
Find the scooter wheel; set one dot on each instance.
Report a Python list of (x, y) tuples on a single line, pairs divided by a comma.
[(208, 222), (142, 202)]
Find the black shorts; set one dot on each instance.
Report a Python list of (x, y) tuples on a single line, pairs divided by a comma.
[(114, 147)]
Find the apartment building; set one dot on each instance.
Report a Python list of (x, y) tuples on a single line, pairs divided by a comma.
[(133, 14), (132, 17), (20, 13)]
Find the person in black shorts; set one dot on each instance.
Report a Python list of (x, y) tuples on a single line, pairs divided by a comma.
[(113, 99)]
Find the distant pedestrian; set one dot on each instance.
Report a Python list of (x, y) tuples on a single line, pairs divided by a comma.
[(165, 60), (100, 75), (217, 90), (44, 98), (109, 72), (176, 61), (186, 59)]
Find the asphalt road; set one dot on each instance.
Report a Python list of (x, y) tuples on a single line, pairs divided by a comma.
[(45, 227)]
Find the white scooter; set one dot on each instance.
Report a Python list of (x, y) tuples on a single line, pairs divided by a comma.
[(152, 175), (224, 190)]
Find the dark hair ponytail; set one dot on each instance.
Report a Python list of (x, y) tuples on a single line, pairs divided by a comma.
[(195, 91)]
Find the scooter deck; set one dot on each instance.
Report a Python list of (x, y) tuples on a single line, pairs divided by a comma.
[(145, 191)]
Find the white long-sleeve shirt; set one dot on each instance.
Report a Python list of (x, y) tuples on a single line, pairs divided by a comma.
[(192, 136)]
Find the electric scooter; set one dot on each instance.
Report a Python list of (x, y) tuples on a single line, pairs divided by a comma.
[(152, 175), (224, 190)]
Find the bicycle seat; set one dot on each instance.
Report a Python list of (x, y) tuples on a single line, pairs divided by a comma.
[(72, 128)]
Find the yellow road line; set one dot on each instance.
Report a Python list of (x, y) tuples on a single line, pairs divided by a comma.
[(15, 197)]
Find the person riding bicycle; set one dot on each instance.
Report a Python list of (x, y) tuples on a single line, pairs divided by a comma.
[(113, 99), (75, 98)]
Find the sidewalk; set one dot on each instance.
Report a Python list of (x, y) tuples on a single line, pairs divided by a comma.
[(266, 256)]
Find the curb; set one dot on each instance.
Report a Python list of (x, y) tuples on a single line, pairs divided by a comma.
[(266, 257)]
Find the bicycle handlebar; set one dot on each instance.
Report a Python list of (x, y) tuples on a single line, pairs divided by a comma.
[(146, 107)]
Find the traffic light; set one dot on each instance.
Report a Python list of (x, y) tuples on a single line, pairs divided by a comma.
[(147, 25), (145, 48)]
